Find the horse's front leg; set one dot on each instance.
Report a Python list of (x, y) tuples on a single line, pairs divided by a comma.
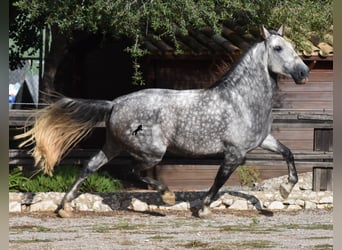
[(272, 144), (233, 159)]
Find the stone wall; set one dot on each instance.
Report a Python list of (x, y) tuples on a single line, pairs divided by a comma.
[(263, 196)]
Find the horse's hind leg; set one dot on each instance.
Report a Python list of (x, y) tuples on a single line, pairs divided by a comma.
[(272, 144), (168, 197), (97, 161)]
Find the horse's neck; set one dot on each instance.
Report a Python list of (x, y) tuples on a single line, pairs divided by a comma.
[(251, 74)]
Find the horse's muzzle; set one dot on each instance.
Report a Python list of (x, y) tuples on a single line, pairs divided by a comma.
[(301, 73)]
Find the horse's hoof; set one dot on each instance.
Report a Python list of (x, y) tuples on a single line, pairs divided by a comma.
[(169, 198), (204, 212), (64, 214), (285, 190)]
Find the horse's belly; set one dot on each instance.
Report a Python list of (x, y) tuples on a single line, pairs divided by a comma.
[(196, 145)]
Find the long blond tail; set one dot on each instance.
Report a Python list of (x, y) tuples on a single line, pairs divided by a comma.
[(60, 126)]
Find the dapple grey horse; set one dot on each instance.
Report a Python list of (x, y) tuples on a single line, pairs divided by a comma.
[(231, 119)]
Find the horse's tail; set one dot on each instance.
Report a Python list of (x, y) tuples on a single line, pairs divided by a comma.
[(60, 126)]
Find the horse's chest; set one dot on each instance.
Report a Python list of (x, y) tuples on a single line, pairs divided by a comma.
[(251, 132)]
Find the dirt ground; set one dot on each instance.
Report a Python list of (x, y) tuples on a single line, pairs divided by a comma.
[(228, 229)]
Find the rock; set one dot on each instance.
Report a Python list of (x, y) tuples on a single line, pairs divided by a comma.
[(289, 202), (100, 207), (309, 205), (266, 204), (16, 196), (294, 207), (239, 205), (324, 206), (227, 201), (138, 205), (45, 205), (216, 203), (301, 197), (328, 199), (269, 195), (82, 206), (182, 206), (276, 205), (14, 207), (65, 214), (299, 203)]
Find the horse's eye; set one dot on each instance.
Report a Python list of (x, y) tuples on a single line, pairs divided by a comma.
[(278, 48)]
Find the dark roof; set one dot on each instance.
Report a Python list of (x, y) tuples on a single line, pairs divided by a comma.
[(233, 40)]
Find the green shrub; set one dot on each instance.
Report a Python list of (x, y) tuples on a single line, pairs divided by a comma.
[(248, 175), (16, 180), (63, 178)]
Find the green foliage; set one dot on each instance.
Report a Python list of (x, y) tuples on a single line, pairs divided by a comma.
[(138, 19), (16, 180), (248, 175), (61, 181)]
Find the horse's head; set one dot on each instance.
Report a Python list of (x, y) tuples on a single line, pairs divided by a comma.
[(282, 58)]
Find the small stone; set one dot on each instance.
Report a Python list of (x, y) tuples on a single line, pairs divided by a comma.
[(322, 206), (216, 203), (276, 205), (227, 201), (328, 199), (182, 206), (152, 207), (47, 205), (239, 205), (268, 195), (138, 205), (294, 207), (289, 202), (14, 207), (266, 203), (16, 196), (221, 207), (99, 206), (65, 214), (299, 203), (309, 205), (79, 206)]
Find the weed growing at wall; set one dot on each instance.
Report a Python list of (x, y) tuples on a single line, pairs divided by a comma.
[(62, 179)]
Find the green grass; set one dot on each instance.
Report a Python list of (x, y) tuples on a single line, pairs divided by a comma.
[(101, 228), (195, 244), (30, 241), (255, 244), (161, 237), (315, 226), (63, 178), (323, 247), (30, 228)]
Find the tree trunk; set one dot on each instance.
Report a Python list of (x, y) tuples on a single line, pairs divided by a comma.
[(53, 57)]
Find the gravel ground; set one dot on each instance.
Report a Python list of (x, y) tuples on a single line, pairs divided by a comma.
[(226, 229)]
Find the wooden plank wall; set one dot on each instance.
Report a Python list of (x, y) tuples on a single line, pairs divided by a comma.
[(316, 94)]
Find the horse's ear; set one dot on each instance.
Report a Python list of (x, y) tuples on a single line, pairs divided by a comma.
[(281, 30), (264, 32)]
